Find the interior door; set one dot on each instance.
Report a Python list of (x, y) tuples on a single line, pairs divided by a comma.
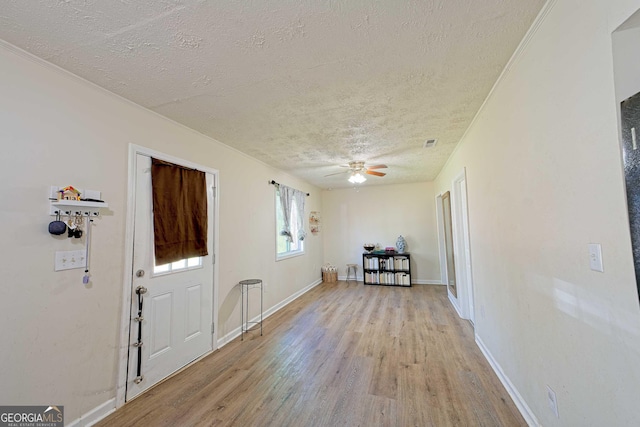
[(177, 307)]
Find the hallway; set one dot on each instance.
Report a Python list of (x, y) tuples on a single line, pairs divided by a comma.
[(342, 354)]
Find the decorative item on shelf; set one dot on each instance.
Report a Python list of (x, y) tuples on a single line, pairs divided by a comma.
[(68, 193), (369, 247), (390, 250), (329, 273), (401, 244)]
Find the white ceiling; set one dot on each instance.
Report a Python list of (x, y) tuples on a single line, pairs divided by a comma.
[(303, 85)]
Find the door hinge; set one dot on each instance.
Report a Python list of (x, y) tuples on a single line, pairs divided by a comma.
[(213, 327), (215, 191), (213, 258)]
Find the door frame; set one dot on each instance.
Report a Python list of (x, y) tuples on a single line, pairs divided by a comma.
[(464, 302), (444, 274), (127, 282), (461, 243)]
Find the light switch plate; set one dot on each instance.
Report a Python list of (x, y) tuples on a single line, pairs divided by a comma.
[(67, 260), (595, 257)]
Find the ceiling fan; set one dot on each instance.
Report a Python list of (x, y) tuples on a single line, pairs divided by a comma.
[(357, 168)]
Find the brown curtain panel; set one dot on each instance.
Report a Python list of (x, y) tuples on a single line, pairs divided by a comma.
[(179, 212)]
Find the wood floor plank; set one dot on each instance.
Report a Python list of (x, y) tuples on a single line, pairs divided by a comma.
[(343, 354)]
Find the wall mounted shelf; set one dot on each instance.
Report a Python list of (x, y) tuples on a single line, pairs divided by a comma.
[(77, 207), (71, 206)]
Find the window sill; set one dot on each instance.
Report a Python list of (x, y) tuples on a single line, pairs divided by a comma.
[(289, 255)]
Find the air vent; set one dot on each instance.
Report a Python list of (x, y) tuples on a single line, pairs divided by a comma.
[(430, 143)]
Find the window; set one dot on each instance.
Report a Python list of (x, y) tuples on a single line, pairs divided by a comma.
[(289, 245), (178, 266)]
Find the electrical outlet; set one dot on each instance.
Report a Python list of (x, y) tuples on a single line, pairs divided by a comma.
[(595, 257), (67, 260), (553, 402)]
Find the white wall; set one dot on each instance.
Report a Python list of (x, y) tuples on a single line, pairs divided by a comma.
[(59, 337), (626, 60), (544, 180), (379, 214)]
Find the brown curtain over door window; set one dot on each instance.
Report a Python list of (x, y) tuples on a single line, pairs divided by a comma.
[(179, 212)]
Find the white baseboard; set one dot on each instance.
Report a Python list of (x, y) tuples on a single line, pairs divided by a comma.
[(454, 303), (94, 415), (351, 279), (427, 282), (413, 282), (222, 341), (522, 406), (236, 332)]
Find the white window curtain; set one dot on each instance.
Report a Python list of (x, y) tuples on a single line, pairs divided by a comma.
[(300, 197), (290, 198)]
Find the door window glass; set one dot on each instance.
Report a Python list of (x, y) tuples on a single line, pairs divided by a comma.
[(178, 266)]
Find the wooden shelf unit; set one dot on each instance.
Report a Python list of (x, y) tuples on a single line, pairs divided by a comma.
[(387, 269)]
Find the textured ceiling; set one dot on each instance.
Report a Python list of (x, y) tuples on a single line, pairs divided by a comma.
[(303, 85)]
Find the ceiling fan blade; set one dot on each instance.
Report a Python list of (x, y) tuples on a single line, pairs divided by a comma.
[(377, 167), (337, 173), (374, 173)]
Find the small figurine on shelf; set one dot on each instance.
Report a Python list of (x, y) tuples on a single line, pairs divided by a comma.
[(68, 193), (401, 244)]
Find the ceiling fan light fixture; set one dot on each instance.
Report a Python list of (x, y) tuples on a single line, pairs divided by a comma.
[(357, 178)]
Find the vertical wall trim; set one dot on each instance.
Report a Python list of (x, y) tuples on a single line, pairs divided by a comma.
[(441, 245), (125, 308), (461, 245)]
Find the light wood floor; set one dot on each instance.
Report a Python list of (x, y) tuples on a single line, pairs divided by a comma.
[(343, 354)]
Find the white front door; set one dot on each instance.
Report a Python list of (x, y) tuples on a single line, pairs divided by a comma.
[(177, 308)]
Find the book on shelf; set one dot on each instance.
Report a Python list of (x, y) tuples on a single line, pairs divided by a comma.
[(391, 269)]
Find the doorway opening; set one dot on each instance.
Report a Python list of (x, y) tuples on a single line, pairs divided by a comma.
[(626, 66), (455, 249)]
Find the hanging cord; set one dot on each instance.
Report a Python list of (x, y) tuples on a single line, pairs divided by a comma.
[(139, 291), (85, 278)]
